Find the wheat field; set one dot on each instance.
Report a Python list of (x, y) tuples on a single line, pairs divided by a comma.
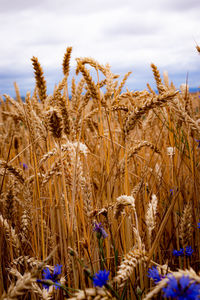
[(106, 181)]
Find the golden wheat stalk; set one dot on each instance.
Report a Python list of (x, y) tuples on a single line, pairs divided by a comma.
[(13, 170), (153, 102), (66, 61), (90, 83), (93, 63), (39, 77), (23, 285), (122, 202), (128, 265), (151, 216), (10, 232), (186, 227), (92, 293), (161, 88), (55, 123)]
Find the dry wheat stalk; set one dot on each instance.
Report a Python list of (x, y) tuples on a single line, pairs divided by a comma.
[(153, 102), (78, 92), (49, 154), (25, 224), (137, 188), (183, 115), (18, 108), (55, 123), (18, 97), (134, 150), (161, 88), (93, 63), (109, 82), (13, 170), (198, 48), (60, 100), (9, 206), (166, 79), (44, 293), (119, 90), (122, 202), (10, 232), (186, 227), (27, 262), (34, 122), (39, 77), (55, 169), (66, 61), (90, 83), (23, 285), (93, 293), (150, 89), (119, 107), (129, 263), (150, 216)]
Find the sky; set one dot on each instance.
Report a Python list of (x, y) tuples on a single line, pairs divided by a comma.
[(127, 34)]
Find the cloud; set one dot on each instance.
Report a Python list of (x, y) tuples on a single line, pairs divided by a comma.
[(127, 34), (182, 5), (18, 5), (132, 27)]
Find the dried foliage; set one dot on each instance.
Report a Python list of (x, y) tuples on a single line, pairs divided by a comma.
[(113, 175)]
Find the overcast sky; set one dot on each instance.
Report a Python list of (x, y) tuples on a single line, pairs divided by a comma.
[(127, 34)]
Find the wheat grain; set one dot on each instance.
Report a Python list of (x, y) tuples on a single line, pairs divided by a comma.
[(186, 228), (127, 267), (66, 61), (153, 102), (23, 285), (122, 202), (39, 77)]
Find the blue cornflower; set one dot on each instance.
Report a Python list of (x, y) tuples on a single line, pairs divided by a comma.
[(171, 192), (25, 166), (198, 225), (99, 229), (154, 274), (52, 277), (182, 289), (178, 252), (188, 251), (198, 141), (101, 278)]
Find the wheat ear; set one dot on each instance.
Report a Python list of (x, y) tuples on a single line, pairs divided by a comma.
[(150, 216), (130, 261), (122, 202), (161, 88), (23, 284), (66, 61), (55, 123), (92, 293), (186, 227), (86, 74), (13, 170), (10, 232), (155, 101), (39, 77), (198, 48)]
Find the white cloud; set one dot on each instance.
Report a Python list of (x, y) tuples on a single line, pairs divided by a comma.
[(128, 35)]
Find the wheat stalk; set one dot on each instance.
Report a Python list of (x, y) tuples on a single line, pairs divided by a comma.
[(128, 265), (39, 77)]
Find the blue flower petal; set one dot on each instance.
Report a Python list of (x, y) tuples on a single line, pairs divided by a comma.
[(101, 278)]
